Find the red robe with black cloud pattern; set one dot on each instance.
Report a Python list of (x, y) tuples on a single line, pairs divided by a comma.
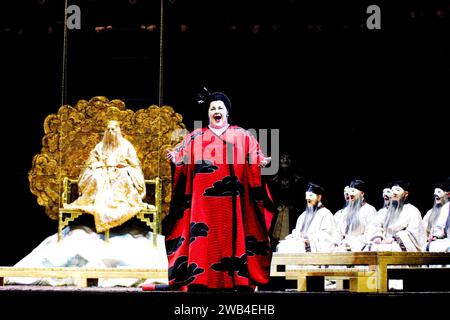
[(217, 228)]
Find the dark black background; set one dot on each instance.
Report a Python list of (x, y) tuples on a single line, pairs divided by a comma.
[(348, 101)]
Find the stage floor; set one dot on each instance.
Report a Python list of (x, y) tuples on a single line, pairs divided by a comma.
[(117, 302)]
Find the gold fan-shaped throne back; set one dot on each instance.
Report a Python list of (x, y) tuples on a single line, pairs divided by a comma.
[(73, 132)]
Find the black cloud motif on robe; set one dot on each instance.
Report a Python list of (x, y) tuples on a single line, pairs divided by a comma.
[(181, 273), (228, 186), (205, 166), (255, 247), (180, 203), (231, 265), (172, 245), (257, 193), (198, 229)]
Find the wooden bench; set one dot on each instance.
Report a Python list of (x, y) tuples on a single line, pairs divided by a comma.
[(367, 271), (83, 277)]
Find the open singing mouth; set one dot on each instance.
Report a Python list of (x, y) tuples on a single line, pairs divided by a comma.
[(217, 117)]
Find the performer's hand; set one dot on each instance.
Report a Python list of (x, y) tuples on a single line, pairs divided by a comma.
[(377, 240), (264, 161), (170, 154)]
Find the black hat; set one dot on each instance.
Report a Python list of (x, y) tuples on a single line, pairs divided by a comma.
[(358, 184), (405, 185), (444, 185), (314, 188)]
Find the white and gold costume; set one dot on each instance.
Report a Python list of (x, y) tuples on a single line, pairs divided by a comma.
[(112, 185)]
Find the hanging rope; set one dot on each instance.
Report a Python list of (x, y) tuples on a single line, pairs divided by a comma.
[(161, 57), (63, 96), (161, 80), (64, 59), (158, 193)]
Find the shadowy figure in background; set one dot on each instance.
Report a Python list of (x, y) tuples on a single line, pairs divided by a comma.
[(287, 186)]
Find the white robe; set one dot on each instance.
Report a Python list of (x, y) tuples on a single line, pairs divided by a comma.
[(112, 194), (408, 229), (442, 244), (357, 239), (321, 234)]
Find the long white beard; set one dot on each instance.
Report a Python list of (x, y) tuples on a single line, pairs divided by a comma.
[(309, 216), (110, 143), (434, 215), (352, 218), (393, 212)]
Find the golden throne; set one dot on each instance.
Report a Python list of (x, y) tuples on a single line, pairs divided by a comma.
[(73, 132)]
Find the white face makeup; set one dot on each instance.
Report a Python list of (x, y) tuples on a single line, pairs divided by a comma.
[(218, 114), (112, 128), (397, 192), (387, 193), (438, 192), (354, 194), (346, 195), (311, 198), (439, 195)]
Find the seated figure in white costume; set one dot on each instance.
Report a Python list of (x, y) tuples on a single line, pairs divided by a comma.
[(437, 219), (112, 185), (353, 221), (346, 200), (387, 198), (315, 230), (400, 228)]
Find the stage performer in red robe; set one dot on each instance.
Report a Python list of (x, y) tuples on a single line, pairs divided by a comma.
[(217, 228)]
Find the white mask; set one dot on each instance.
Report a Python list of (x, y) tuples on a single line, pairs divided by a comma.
[(311, 198), (387, 193), (439, 193), (397, 192)]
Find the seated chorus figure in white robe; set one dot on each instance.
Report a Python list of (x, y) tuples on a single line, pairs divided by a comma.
[(353, 221), (436, 222), (400, 228), (315, 230), (387, 198), (346, 201)]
